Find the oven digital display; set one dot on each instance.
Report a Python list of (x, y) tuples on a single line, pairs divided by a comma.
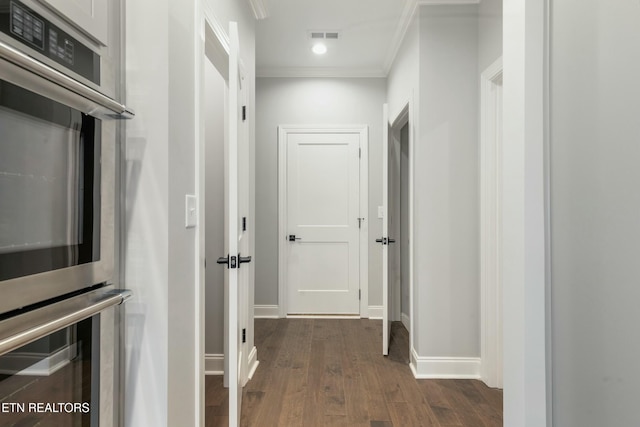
[(27, 26), (31, 29), (63, 49)]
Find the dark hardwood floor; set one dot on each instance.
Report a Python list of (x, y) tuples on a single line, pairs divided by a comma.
[(326, 372)]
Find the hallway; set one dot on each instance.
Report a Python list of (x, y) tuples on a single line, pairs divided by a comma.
[(325, 372)]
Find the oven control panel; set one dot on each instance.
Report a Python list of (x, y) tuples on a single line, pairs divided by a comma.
[(34, 31)]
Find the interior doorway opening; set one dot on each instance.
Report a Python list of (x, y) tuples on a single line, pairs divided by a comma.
[(215, 89), (399, 237), (223, 189)]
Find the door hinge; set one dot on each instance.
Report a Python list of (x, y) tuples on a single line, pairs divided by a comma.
[(359, 294), (244, 335), (244, 223), (359, 153), (244, 113)]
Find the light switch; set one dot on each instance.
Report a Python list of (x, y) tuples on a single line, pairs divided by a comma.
[(190, 211), (380, 212)]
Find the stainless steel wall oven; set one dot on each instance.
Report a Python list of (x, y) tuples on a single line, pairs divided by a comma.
[(58, 154)]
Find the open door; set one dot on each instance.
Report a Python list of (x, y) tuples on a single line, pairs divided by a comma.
[(236, 194), (386, 305)]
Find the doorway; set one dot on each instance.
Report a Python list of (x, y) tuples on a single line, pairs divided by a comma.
[(399, 236), (223, 188), (215, 309), (322, 226)]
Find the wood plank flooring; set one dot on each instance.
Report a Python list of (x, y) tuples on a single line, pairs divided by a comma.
[(330, 372)]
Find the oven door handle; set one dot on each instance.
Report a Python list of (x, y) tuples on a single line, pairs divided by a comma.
[(36, 67), (27, 327)]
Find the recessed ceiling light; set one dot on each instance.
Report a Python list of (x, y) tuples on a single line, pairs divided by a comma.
[(319, 49)]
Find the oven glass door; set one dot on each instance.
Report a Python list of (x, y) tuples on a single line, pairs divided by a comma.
[(49, 184), (52, 382)]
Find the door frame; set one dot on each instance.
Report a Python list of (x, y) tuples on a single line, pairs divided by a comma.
[(395, 128), (396, 123), (491, 257), (213, 44), (363, 132)]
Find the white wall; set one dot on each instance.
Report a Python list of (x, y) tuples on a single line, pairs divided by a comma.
[(523, 219), (312, 101), (446, 297), (163, 351), (146, 270), (595, 232)]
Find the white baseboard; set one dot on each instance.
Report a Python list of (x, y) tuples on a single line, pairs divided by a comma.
[(38, 364), (375, 312), (405, 321), (266, 312), (444, 367), (253, 362), (214, 364)]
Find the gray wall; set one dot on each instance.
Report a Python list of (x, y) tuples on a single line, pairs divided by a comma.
[(595, 207), (446, 296), (214, 210), (311, 101), (403, 86), (160, 254)]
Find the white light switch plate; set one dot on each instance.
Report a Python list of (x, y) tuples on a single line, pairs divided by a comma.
[(190, 211), (380, 212)]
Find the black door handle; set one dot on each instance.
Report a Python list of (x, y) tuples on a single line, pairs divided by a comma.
[(230, 262), (243, 259), (293, 238), (383, 240), (391, 240)]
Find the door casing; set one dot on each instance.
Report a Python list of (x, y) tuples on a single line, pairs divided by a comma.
[(397, 122)]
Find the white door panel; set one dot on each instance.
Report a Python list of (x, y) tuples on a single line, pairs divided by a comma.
[(323, 207), (386, 300), (236, 200)]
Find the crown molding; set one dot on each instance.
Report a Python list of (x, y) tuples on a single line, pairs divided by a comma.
[(408, 12), (260, 10), (320, 72)]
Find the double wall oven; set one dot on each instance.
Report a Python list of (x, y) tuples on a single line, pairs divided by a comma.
[(59, 309)]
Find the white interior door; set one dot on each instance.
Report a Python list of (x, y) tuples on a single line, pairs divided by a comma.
[(236, 196), (384, 240), (323, 222)]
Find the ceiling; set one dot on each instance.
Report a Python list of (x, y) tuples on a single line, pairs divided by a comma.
[(369, 33)]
